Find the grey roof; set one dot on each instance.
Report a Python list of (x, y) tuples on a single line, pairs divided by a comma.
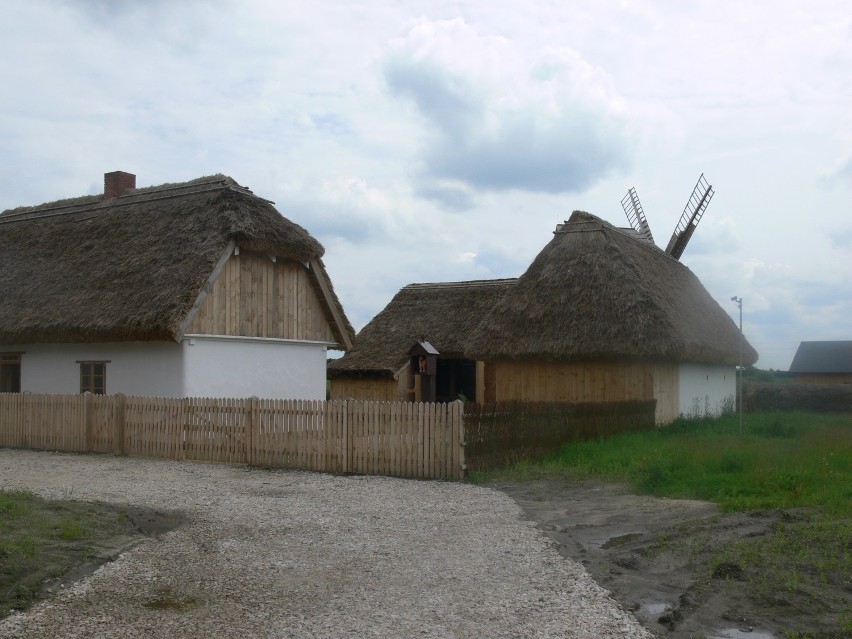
[(823, 357)]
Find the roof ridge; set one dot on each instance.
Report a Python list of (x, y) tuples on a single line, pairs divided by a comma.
[(462, 284), (603, 226), (154, 193)]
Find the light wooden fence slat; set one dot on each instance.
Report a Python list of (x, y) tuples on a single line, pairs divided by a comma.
[(389, 438)]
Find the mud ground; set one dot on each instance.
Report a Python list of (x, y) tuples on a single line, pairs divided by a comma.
[(71, 561), (654, 555)]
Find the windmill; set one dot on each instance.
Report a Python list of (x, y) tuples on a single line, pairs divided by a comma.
[(692, 214), (635, 215)]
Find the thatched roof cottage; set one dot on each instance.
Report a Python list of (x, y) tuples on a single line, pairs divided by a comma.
[(377, 368), (195, 288), (602, 314)]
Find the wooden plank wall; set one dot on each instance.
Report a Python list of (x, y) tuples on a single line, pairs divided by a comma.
[(256, 297), (586, 382), (365, 389), (376, 389), (501, 433), (572, 382), (380, 438), (667, 391)]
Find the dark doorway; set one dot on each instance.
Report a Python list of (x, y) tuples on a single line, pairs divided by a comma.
[(10, 373), (456, 377)]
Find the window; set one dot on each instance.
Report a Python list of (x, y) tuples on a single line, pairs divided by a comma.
[(93, 377), (10, 372)]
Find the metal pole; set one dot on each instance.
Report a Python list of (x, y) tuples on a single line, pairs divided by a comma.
[(739, 302), (741, 366)]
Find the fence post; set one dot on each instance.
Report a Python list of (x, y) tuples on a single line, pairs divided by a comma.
[(251, 428), (346, 436), (87, 413), (120, 420), (458, 417), (21, 420)]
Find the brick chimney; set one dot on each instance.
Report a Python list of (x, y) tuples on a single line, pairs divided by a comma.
[(118, 183)]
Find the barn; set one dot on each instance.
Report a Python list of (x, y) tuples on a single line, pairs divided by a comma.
[(823, 362), (198, 288), (600, 315)]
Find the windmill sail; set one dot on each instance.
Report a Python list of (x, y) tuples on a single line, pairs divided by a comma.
[(692, 213), (635, 215)]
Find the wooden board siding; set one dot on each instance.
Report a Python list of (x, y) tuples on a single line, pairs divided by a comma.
[(256, 297), (365, 389), (585, 382), (575, 382), (667, 391), (372, 389), (544, 382)]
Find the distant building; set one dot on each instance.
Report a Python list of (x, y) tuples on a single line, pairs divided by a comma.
[(823, 362)]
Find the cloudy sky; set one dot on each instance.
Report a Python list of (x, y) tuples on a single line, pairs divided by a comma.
[(441, 140)]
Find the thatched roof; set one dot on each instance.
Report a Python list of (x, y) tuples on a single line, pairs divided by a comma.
[(128, 268), (443, 313), (595, 292)]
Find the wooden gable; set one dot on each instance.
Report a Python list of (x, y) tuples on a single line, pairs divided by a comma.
[(254, 296)]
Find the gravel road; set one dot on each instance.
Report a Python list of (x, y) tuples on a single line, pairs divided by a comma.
[(293, 554)]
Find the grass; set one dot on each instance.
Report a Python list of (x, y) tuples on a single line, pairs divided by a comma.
[(41, 540), (782, 460), (797, 463)]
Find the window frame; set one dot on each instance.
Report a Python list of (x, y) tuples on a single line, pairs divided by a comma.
[(11, 361), (89, 376)]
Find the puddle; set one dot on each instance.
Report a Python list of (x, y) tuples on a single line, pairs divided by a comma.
[(735, 633), (656, 608), (614, 542), (166, 599)]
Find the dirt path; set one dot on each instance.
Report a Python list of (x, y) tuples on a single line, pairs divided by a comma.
[(654, 556)]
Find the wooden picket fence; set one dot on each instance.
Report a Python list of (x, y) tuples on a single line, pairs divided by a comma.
[(378, 438)]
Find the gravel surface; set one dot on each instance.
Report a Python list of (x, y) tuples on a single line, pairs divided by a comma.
[(294, 554)]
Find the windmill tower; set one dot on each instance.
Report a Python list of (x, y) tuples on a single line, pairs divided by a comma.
[(694, 210)]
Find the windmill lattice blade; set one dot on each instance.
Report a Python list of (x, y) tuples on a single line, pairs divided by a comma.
[(692, 214), (635, 215)]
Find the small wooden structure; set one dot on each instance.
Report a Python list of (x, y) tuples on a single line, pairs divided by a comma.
[(424, 363)]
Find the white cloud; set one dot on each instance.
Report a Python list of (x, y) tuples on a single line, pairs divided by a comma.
[(444, 141), (502, 118), (840, 173)]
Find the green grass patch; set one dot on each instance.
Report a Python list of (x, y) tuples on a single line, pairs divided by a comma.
[(781, 460), (41, 540)]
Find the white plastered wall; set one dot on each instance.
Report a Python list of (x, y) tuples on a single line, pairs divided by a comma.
[(706, 390), (133, 368), (220, 366), (200, 366)]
